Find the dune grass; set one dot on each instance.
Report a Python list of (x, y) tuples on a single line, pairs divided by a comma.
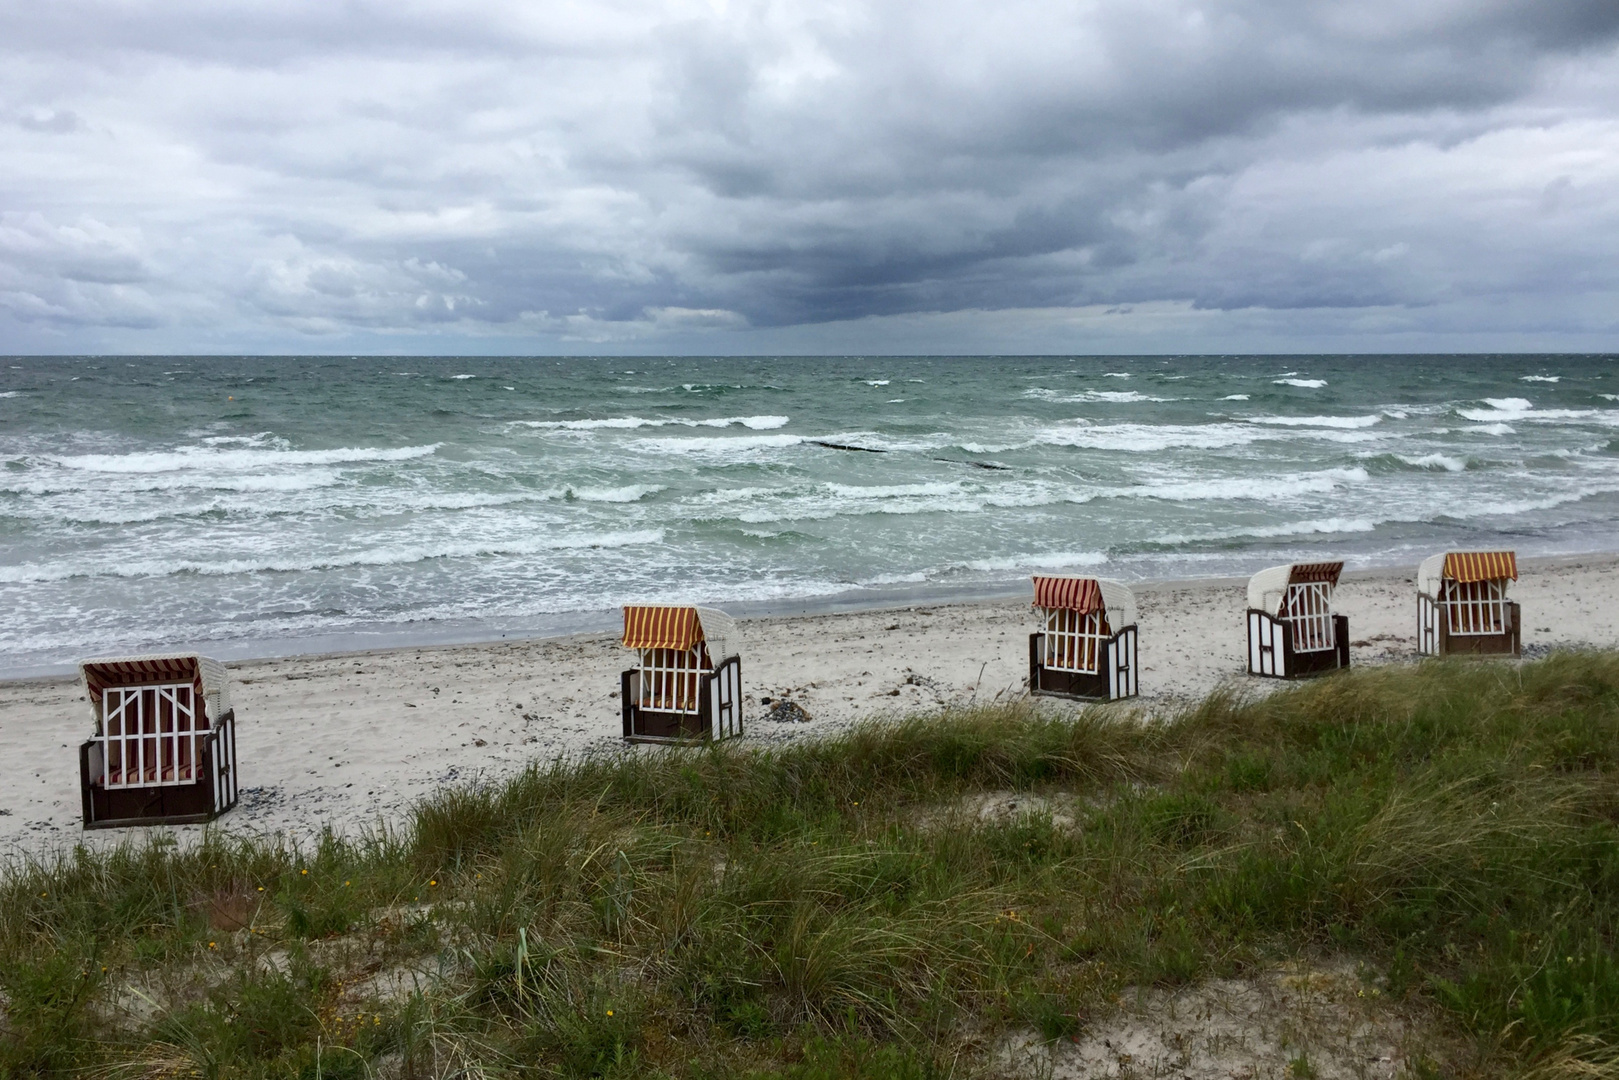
[(839, 908)]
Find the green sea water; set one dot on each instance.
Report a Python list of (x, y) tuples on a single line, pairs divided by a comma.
[(253, 505)]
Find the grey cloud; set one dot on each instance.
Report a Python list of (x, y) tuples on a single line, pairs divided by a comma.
[(682, 175)]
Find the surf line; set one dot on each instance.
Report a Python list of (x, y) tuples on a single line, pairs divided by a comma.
[(876, 450)]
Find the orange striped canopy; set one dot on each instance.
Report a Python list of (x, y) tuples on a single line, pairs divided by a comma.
[(1083, 595), (1481, 565), (660, 627), (100, 674), (1304, 572)]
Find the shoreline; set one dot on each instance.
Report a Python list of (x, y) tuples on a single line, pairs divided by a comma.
[(350, 740), (565, 625)]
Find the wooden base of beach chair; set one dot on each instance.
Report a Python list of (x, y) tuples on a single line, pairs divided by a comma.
[(1435, 639), (1271, 653), (1115, 677), (718, 714), (110, 803)]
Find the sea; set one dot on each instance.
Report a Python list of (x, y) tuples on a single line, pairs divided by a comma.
[(256, 506)]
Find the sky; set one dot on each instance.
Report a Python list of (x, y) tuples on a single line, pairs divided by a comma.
[(1096, 176)]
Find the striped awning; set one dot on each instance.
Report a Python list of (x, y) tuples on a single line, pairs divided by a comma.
[(100, 674), (659, 627), (1481, 565), (1304, 572), (1083, 595)]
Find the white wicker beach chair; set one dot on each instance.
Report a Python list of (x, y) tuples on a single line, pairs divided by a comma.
[(687, 682), (163, 748), (1292, 629), (1086, 645), (1465, 605)]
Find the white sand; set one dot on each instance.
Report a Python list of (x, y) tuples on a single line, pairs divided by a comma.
[(352, 740)]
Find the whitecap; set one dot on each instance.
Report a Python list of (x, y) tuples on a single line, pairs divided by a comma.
[(1245, 487), (463, 376), (1235, 397), (1307, 384), (1434, 461), (10, 393), (1318, 421), (1540, 378), (1054, 560), (734, 444), (1115, 374), (627, 494), (379, 556), (877, 382), (243, 460), (1493, 429)]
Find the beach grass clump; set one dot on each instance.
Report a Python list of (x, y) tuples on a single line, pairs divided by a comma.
[(896, 901)]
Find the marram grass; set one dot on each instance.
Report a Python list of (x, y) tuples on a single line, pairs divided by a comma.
[(841, 908)]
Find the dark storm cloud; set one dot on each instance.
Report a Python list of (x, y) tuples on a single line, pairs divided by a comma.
[(682, 172)]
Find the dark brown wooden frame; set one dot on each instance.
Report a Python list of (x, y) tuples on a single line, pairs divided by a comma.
[(662, 726), (1109, 683), (1440, 642), (1293, 665), (212, 794)]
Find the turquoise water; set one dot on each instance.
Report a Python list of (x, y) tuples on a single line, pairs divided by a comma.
[(254, 505)]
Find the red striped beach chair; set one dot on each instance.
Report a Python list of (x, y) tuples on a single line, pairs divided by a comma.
[(687, 682), (1086, 645), (163, 750), (1292, 630), (1464, 605)]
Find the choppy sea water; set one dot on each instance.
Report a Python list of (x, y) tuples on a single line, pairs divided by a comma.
[(256, 505)]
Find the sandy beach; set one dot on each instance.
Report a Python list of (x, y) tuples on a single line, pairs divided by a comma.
[(349, 741)]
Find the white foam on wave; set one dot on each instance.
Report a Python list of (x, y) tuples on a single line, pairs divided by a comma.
[(397, 555), (756, 423), (731, 444), (463, 376), (1053, 560), (1540, 378), (239, 460), (877, 382), (1318, 421), (1306, 384), (1516, 408), (892, 491), (627, 494), (1085, 396), (1115, 374), (136, 483), (1494, 429), (1245, 487), (10, 393), (1434, 461), (1318, 526), (1235, 397)]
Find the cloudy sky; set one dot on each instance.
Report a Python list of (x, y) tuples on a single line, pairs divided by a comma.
[(686, 176)]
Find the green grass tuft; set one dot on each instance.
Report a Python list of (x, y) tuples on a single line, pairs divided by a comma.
[(848, 908)]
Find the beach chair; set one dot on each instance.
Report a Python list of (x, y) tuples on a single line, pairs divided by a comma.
[(164, 747), (1464, 607), (687, 682), (1292, 631), (1086, 646)]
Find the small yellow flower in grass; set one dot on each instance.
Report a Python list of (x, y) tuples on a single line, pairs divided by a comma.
[(433, 882), (345, 884), (609, 1012), (213, 945), (261, 888), (305, 873)]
